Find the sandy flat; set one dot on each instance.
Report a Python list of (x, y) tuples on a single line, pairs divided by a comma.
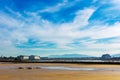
[(9, 71)]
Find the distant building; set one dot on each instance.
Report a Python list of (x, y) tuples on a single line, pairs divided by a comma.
[(23, 57), (34, 57), (106, 56)]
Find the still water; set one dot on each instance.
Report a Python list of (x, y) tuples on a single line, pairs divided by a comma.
[(62, 68)]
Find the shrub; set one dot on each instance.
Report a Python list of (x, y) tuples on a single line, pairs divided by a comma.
[(20, 68)]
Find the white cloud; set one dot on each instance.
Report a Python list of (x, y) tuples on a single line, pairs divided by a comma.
[(115, 2), (106, 31), (82, 17), (59, 6), (63, 34), (8, 21), (54, 8)]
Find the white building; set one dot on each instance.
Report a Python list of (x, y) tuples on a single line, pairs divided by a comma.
[(34, 57), (23, 57)]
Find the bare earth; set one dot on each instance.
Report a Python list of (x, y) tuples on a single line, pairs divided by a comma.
[(9, 71)]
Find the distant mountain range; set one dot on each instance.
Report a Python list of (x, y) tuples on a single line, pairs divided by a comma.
[(69, 56), (116, 55)]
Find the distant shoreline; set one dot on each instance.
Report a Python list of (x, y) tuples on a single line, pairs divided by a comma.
[(72, 62)]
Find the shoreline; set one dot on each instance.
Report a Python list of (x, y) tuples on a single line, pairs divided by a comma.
[(67, 62)]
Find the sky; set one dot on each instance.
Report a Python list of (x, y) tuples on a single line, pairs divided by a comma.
[(56, 27)]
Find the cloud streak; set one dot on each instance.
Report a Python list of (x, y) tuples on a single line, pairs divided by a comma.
[(21, 32)]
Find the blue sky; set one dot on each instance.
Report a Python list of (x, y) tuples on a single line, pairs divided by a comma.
[(56, 27)]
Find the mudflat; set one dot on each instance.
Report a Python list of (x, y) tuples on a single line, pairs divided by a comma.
[(10, 71)]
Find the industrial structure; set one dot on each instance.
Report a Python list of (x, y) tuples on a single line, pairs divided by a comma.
[(31, 57), (34, 57), (23, 57)]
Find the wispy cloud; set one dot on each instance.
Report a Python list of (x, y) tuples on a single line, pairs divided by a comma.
[(28, 32), (59, 6)]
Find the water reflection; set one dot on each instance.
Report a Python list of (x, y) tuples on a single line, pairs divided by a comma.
[(62, 68), (66, 68)]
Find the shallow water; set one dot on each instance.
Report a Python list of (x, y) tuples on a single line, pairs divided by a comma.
[(63, 68), (67, 68)]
